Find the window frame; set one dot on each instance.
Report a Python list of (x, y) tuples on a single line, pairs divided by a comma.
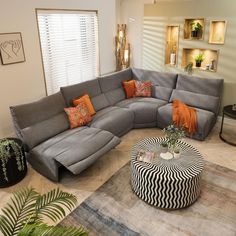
[(40, 43)]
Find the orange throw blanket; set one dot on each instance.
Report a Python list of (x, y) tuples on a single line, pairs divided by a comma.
[(184, 116)]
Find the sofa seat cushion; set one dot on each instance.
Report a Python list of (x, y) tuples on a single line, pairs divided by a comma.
[(205, 120), (144, 108), (114, 119), (75, 149)]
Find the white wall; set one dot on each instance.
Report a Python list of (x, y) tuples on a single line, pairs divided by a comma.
[(24, 82)]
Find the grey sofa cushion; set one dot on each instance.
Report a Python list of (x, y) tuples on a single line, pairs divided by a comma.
[(162, 82), (144, 108), (205, 120), (113, 81), (202, 101), (205, 86), (161, 92), (114, 119), (111, 85), (163, 79), (75, 149), (99, 102), (40, 120)]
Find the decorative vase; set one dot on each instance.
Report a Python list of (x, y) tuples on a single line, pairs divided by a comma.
[(176, 155), (172, 59), (198, 63)]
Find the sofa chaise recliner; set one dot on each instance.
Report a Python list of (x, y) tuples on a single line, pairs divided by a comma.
[(50, 143)]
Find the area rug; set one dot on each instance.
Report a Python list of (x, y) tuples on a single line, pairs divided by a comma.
[(115, 210)]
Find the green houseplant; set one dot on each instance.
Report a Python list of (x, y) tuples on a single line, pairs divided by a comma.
[(173, 133), (25, 214), (199, 59), (196, 29), (12, 161)]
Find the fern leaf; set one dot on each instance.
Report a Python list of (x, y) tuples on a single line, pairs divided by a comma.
[(51, 204), (21, 208), (39, 229)]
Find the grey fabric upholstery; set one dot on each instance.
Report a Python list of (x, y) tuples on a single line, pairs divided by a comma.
[(75, 149), (162, 82), (163, 79), (212, 87), (99, 102), (91, 87), (144, 108), (71, 92), (202, 101), (40, 120), (162, 93), (114, 119), (205, 120), (111, 85)]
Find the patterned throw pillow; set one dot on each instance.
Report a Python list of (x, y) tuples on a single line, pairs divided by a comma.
[(129, 87), (78, 116), (86, 99), (143, 88)]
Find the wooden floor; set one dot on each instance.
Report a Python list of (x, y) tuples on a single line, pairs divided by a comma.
[(83, 185)]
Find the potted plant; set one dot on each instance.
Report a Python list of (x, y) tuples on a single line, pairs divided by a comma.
[(24, 215), (196, 29), (164, 146), (189, 68), (176, 153), (173, 133), (199, 59), (13, 166)]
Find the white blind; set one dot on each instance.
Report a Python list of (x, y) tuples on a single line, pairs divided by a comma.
[(69, 43)]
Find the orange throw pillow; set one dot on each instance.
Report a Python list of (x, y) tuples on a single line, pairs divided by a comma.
[(143, 88), (86, 99), (78, 116), (129, 87)]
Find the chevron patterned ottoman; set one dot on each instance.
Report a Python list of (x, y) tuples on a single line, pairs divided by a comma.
[(170, 184)]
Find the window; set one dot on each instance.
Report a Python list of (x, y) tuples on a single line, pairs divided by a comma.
[(69, 43)]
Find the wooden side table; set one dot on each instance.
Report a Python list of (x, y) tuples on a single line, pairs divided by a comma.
[(227, 110)]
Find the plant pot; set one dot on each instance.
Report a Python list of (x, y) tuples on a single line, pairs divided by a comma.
[(194, 34), (13, 174), (164, 149), (198, 63)]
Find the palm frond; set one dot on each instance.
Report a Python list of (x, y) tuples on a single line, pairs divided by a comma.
[(39, 229), (15, 214), (51, 204)]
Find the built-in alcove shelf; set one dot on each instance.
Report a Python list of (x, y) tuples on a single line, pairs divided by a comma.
[(217, 32), (172, 44), (194, 29), (210, 58)]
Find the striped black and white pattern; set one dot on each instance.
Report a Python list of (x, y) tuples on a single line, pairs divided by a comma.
[(168, 184)]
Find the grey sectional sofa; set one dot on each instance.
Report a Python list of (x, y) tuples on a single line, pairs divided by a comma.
[(50, 143)]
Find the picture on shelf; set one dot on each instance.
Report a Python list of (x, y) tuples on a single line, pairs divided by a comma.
[(145, 156)]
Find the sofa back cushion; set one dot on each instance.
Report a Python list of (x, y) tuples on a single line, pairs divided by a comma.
[(111, 85), (91, 87), (195, 84), (40, 120), (199, 92), (162, 82), (206, 102)]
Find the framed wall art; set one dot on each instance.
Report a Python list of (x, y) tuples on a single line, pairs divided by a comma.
[(11, 48)]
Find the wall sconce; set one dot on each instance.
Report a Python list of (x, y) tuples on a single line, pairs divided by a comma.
[(122, 48)]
